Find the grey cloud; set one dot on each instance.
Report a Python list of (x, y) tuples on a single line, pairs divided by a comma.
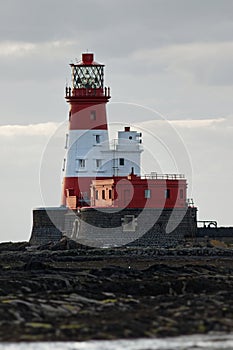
[(122, 25), (203, 61)]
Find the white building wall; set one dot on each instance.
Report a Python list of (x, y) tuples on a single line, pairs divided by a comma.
[(89, 154), (84, 148)]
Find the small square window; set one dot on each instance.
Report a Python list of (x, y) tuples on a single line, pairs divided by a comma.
[(82, 163), (129, 223), (98, 163), (122, 161), (93, 115), (147, 193), (84, 195), (97, 138), (167, 193)]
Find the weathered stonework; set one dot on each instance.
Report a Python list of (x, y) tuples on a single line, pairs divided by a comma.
[(48, 225), (219, 233), (133, 227), (108, 227)]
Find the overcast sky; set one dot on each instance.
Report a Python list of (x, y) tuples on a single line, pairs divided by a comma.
[(170, 56)]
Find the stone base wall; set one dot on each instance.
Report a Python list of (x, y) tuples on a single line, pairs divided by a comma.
[(48, 225), (111, 228), (219, 233), (132, 227)]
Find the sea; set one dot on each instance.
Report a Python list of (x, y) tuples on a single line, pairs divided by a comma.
[(193, 342)]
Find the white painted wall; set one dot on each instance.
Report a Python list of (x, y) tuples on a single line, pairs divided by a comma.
[(89, 154)]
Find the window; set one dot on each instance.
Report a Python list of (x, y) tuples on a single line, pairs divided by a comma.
[(181, 193), (122, 161), (167, 193), (147, 193), (93, 115), (96, 195), (98, 163), (81, 163), (84, 195), (110, 194), (103, 194), (97, 138), (129, 223)]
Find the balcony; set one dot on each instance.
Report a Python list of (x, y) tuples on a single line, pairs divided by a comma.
[(91, 92)]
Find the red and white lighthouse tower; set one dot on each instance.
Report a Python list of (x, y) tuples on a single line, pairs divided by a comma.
[(98, 174), (90, 155), (88, 131)]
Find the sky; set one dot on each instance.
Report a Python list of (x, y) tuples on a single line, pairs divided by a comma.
[(169, 66)]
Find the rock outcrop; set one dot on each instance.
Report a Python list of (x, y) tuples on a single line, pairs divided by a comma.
[(68, 292)]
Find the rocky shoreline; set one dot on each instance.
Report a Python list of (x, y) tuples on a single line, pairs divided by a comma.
[(68, 292)]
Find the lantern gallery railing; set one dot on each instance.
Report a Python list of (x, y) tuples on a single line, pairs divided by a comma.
[(87, 92)]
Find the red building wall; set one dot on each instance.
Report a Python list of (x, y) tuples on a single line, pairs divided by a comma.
[(135, 192)]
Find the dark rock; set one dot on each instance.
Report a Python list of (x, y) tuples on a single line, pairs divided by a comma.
[(64, 243), (34, 264), (80, 294), (16, 246)]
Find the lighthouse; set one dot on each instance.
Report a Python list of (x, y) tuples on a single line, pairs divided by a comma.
[(106, 201), (90, 155), (88, 130)]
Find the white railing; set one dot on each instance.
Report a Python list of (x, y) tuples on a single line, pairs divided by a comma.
[(156, 176)]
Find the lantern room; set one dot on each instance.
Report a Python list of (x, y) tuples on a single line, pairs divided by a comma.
[(87, 74)]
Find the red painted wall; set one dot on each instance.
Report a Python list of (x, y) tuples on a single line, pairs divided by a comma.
[(80, 116), (132, 193)]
